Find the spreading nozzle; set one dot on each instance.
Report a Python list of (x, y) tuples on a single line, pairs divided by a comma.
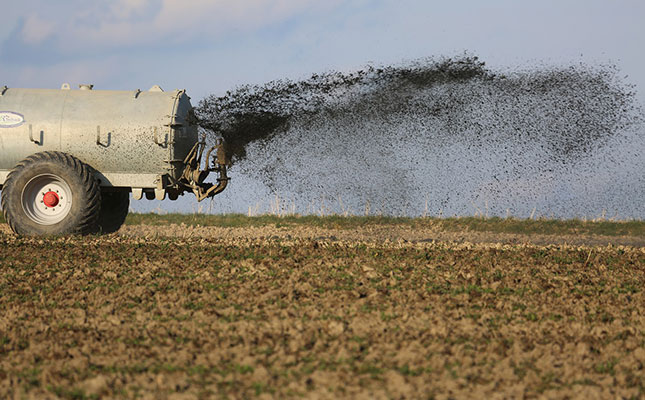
[(194, 177)]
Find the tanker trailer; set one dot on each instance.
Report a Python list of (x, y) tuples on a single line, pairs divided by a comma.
[(70, 158)]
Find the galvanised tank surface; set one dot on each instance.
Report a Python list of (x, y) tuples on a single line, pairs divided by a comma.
[(131, 138)]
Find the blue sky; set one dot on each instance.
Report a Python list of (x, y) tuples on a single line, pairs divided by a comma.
[(210, 46)]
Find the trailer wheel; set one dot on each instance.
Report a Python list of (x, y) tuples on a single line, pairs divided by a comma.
[(51, 193), (114, 209)]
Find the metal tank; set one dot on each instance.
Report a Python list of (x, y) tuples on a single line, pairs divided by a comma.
[(143, 142)]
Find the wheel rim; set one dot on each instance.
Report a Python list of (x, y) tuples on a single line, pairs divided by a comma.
[(46, 199)]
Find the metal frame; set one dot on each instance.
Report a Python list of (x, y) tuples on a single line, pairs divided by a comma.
[(147, 181)]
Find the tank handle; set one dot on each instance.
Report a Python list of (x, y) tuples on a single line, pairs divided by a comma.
[(31, 136), (155, 137), (98, 137), (3, 89)]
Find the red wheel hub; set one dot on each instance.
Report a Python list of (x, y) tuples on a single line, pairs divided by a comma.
[(51, 199)]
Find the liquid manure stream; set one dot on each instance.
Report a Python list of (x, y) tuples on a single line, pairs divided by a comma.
[(440, 137)]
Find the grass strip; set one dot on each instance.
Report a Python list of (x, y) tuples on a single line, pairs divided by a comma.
[(495, 224)]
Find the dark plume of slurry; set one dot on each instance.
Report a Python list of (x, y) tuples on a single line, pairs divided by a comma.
[(449, 133), (253, 112)]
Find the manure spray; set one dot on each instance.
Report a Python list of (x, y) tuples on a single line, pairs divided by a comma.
[(446, 134)]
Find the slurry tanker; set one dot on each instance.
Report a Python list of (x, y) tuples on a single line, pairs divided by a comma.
[(69, 159)]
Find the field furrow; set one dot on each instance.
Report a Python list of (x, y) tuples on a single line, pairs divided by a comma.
[(138, 315)]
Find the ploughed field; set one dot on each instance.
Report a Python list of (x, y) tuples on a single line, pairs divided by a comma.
[(330, 307)]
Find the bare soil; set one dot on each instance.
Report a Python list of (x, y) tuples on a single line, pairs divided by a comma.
[(269, 312), (378, 234)]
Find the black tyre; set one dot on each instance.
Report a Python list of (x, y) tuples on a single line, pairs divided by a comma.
[(51, 193), (114, 209)]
